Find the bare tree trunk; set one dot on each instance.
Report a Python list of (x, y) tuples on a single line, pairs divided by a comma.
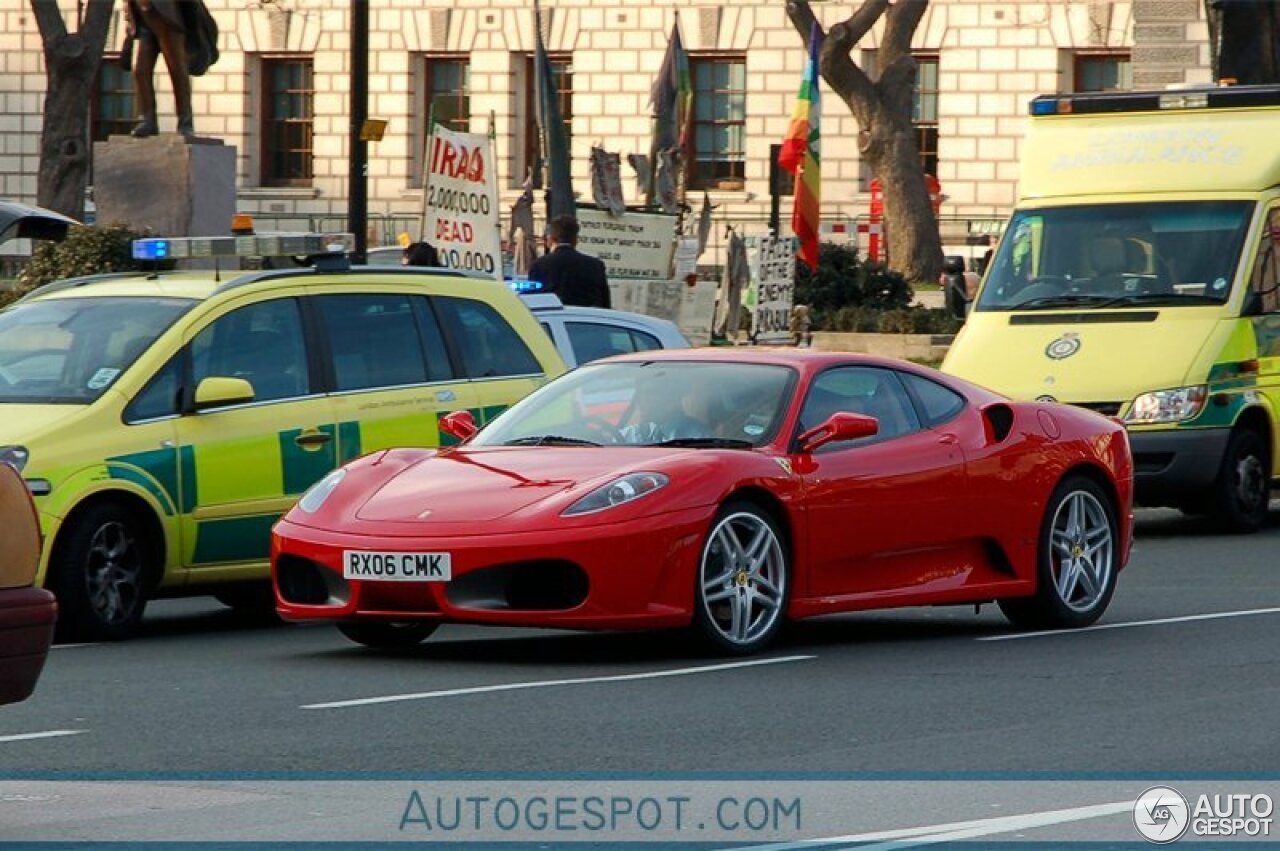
[(71, 63), (886, 138)]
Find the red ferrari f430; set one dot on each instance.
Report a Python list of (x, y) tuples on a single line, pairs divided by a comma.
[(724, 490)]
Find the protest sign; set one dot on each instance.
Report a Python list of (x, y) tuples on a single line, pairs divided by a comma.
[(633, 245), (461, 202), (772, 262)]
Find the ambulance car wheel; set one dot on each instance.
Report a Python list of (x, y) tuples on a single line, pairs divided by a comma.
[(1240, 494), (389, 636), (98, 572)]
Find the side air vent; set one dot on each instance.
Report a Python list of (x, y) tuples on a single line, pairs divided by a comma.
[(999, 421)]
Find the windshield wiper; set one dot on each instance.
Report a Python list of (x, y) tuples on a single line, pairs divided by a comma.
[(707, 443), (550, 440), (1160, 298), (1067, 300)]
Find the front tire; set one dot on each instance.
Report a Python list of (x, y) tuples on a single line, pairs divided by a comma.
[(389, 636), (1240, 494), (743, 580), (1079, 556), (98, 572)]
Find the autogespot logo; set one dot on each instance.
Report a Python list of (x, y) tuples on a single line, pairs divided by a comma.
[(1161, 814)]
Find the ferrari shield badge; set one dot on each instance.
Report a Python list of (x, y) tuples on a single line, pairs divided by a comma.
[(1063, 347)]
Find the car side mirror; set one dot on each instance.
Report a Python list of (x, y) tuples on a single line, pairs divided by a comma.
[(839, 426), (459, 424), (217, 391)]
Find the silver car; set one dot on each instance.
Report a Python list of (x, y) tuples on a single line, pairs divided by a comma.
[(584, 334)]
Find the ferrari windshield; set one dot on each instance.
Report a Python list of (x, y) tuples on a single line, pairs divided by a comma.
[(69, 350), (712, 404), (1117, 255)]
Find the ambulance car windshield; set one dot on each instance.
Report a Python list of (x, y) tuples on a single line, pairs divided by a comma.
[(70, 350), (1117, 256)]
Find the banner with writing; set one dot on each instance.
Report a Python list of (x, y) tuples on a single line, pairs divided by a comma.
[(461, 204), (773, 280), (633, 245)]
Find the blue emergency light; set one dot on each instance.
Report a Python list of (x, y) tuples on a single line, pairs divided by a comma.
[(521, 286), (151, 249)]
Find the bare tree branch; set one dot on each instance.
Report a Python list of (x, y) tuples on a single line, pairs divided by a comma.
[(900, 24), (97, 21), (842, 74), (49, 20)]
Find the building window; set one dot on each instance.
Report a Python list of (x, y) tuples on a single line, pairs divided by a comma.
[(112, 113), (287, 121), (1103, 72), (924, 112), (443, 90), (562, 76), (718, 138)]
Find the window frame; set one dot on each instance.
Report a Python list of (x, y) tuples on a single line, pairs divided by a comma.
[(893, 376), (316, 378), (425, 64), (531, 144), (922, 412), (1082, 58), (445, 318), (692, 179), (99, 95), (266, 121)]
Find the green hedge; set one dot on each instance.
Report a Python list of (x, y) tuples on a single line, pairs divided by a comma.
[(85, 251)]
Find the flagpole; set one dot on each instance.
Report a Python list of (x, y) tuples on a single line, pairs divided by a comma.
[(426, 168)]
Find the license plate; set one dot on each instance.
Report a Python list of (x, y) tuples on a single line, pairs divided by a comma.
[(396, 567)]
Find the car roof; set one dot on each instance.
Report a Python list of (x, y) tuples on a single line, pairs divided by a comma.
[(201, 284)]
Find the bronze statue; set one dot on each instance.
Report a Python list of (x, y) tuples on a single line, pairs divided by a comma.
[(186, 35)]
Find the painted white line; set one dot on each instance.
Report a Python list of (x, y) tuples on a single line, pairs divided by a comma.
[(932, 834), (71, 646), (1158, 621), (47, 734), (616, 678)]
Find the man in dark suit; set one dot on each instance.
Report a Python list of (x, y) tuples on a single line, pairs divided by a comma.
[(575, 277)]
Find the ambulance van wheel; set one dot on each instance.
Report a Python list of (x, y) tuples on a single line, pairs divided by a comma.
[(1240, 494), (98, 572)]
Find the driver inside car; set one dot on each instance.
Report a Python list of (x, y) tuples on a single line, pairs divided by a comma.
[(666, 410)]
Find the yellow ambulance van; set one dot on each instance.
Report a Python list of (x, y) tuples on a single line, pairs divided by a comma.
[(1139, 277), (164, 421)]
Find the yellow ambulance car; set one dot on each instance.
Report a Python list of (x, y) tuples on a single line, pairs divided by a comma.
[(1139, 277), (164, 421)]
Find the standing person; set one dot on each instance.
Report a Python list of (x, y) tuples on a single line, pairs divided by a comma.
[(575, 277)]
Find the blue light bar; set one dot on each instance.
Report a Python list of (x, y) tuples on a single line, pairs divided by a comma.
[(522, 285), (151, 249), (1044, 106)]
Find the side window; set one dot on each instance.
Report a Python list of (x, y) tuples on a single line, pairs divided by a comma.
[(861, 390), (939, 403), (643, 342), (261, 343), (373, 340), (595, 340), (489, 346), (160, 398), (1266, 270)]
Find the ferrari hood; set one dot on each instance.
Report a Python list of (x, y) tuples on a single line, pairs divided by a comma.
[(477, 485), (1110, 358)]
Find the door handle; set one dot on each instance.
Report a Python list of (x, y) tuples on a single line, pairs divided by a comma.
[(312, 439), (948, 439)]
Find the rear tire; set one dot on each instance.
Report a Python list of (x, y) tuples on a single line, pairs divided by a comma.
[(389, 636), (1079, 556), (1238, 498), (98, 572)]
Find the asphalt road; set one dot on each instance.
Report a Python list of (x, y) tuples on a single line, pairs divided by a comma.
[(933, 690)]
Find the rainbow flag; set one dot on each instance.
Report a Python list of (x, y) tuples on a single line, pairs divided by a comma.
[(801, 155)]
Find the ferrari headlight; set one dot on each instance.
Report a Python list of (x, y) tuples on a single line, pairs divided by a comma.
[(1167, 406), (319, 492), (618, 492), (14, 456)]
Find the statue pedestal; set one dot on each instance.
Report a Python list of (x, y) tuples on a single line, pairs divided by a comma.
[(167, 184)]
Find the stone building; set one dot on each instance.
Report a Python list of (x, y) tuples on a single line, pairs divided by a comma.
[(279, 94)]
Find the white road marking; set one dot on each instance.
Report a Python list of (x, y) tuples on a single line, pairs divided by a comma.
[(954, 831), (615, 678), (47, 734), (1156, 622), (70, 646)]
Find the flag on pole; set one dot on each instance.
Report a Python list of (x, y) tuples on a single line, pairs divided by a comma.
[(671, 99), (555, 143), (801, 155)]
